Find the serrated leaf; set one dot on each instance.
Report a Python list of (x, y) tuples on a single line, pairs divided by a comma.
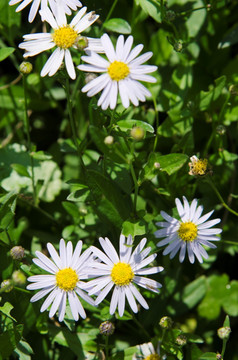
[(117, 25), (134, 228)]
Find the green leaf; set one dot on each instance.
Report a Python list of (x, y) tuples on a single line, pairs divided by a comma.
[(117, 25), (5, 52), (125, 125), (194, 292), (6, 309), (208, 356), (230, 38), (72, 209), (9, 340), (227, 321), (21, 170), (133, 228), (206, 98), (23, 350), (230, 302), (41, 155), (151, 8)]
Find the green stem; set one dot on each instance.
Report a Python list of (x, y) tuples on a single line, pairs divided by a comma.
[(230, 242), (135, 184), (22, 290), (141, 327), (192, 10), (220, 197), (162, 9), (27, 126), (157, 124), (110, 12), (106, 348), (73, 124), (223, 348)]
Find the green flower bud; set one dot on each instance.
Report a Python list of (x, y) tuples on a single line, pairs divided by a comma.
[(18, 278), (181, 340), (178, 46), (17, 252), (82, 43), (170, 15), (137, 133), (106, 328), (25, 68), (224, 332), (6, 285), (166, 322)]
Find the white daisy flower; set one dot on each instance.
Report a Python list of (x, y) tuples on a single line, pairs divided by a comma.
[(122, 272), (67, 4), (66, 272), (121, 72), (63, 37), (147, 352), (192, 232)]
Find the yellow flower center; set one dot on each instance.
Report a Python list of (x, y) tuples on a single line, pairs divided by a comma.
[(122, 274), (66, 279), (118, 70), (198, 167), (153, 357), (187, 231), (64, 37)]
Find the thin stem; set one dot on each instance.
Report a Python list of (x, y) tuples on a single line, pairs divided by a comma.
[(223, 348), (220, 197), (157, 124), (22, 290), (162, 9), (106, 347), (141, 327), (110, 12), (135, 184), (230, 242), (208, 6), (27, 126)]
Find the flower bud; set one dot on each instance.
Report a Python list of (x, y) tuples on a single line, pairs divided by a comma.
[(219, 357), (18, 278), (170, 15), (106, 328), (17, 252), (224, 332), (82, 43), (233, 89), (157, 165), (109, 140), (220, 129), (137, 133), (83, 210), (6, 285), (166, 322), (178, 46), (181, 340), (25, 68)]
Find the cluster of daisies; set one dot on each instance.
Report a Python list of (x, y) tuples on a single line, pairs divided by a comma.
[(91, 275), (120, 67)]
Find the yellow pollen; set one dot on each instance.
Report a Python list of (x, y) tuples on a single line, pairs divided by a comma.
[(198, 167), (122, 274), (118, 70), (66, 279), (153, 357), (187, 231), (64, 37)]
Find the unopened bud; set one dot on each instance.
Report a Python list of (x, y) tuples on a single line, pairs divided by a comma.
[(17, 252), (170, 15), (178, 46), (233, 89), (166, 322), (181, 340), (106, 328), (82, 43), (6, 285), (137, 133), (109, 140), (157, 165), (219, 357), (224, 332), (18, 278), (83, 210), (220, 129), (25, 68)]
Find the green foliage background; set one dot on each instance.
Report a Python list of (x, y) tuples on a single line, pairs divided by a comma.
[(193, 110)]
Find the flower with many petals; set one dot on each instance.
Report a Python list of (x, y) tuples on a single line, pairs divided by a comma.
[(64, 281), (147, 352), (67, 4), (121, 71), (121, 273), (63, 37), (191, 233)]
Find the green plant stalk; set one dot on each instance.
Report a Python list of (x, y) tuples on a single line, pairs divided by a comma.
[(27, 126), (223, 348), (213, 186), (110, 12), (192, 10), (157, 124), (135, 184), (162, 9), (72, 123), (106, 348)]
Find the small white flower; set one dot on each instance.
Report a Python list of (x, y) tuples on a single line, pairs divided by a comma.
[(67, 270), (63, 37), (67, 4), (121, 72), (192, 232), (122, 272), (147, 352)]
